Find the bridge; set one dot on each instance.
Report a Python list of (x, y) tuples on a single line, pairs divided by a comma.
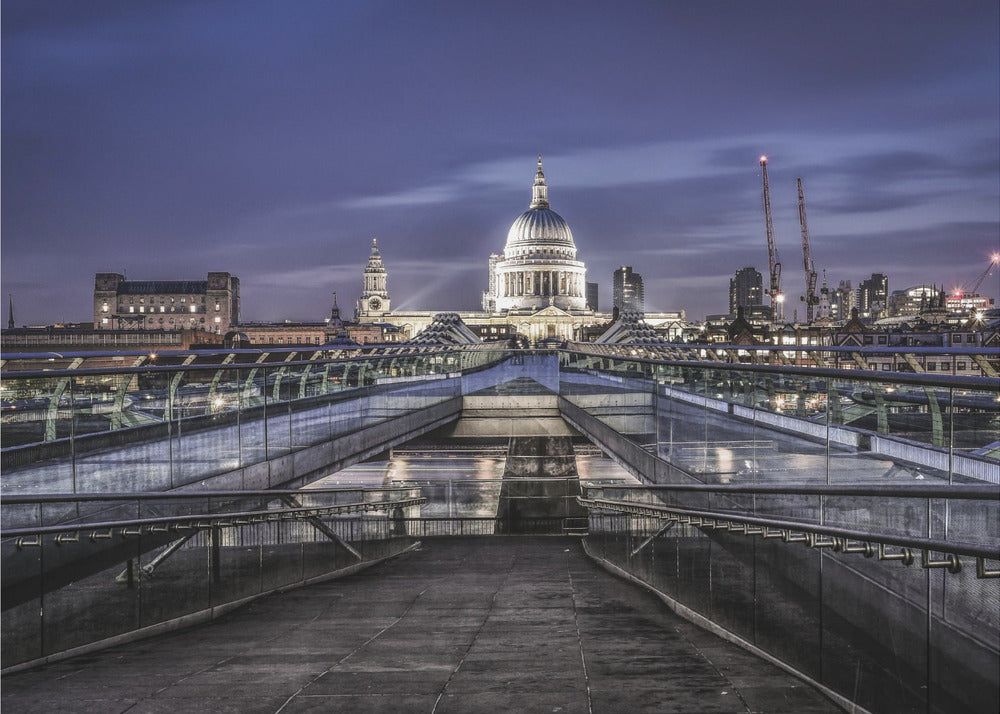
[(811, 533)]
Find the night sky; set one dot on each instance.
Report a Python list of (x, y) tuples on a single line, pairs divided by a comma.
[(275, 139)]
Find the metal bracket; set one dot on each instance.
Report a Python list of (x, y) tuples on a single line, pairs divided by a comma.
[(950, 561), (818, 541), (982, 572), (22, 542), (866, 549), (668, 526), (323, 528), (905, 556)]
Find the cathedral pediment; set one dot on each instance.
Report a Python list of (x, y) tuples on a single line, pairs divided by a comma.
[(551, 311)]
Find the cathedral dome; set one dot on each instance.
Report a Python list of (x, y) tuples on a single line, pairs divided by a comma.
[(539, 226), (538, 267)]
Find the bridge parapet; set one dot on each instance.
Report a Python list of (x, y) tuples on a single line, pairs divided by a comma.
[(82, 573), (739, 422), (886, 597), (244, 419)]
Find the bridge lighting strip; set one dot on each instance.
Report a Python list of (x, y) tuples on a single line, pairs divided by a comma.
[(31, 537), (842, 540)]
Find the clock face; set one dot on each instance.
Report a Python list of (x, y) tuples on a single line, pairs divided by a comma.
[(374, 304)]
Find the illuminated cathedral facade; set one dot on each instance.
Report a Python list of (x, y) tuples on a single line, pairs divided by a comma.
[(536, 285)]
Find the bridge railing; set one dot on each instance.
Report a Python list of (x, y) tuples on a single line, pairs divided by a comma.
[(79, 574), (200, 414), (959, 359), (886, 596), (720, 422)]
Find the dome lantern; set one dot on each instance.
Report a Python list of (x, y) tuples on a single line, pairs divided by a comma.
[(540, 191)]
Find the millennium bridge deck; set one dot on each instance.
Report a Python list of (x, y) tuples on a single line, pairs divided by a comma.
[(839, 523), (527, 624)]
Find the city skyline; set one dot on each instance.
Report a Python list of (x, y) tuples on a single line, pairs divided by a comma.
[(274, 143)]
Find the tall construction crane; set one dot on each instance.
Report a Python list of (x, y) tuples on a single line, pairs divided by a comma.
[(810, 297), (994, 261), (774, 290)]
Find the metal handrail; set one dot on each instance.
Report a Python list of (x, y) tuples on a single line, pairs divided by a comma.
[(984, 492), (21, 499), (790, 528), (595, 348), (421, 351), (855, 375), (202, 521)]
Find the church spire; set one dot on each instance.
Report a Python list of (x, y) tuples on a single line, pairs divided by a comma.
[(540, 191)]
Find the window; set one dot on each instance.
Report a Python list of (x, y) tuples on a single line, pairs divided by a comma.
[(162, 309), (957, 339), (104, 307), (881, 339), (960, 365), (131, 308), (218, 319), (104, 321), (945, 366), (142, 309), (194, 308), (932, 366)]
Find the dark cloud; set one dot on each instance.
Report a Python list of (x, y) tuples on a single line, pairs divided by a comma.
[(274, 140)]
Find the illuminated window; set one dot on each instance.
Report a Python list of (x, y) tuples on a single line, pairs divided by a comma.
[(104, 321), (194, 308), (104, 307), (217, 307), (131, 308), (162, 309), (142, 309), (218, 319)]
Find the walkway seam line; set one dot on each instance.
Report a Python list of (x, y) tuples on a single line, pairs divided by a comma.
[(472, 642), (579, 639), (353, 652)]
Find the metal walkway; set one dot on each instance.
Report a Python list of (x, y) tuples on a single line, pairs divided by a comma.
[(476, 624)]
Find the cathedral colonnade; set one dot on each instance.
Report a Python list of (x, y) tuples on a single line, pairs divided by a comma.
[(543, 283)]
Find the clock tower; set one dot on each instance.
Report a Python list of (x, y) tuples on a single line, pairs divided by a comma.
[(374, 300)]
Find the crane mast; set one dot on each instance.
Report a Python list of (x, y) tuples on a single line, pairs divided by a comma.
[(994, 261), (811, 298), (774, 290)]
